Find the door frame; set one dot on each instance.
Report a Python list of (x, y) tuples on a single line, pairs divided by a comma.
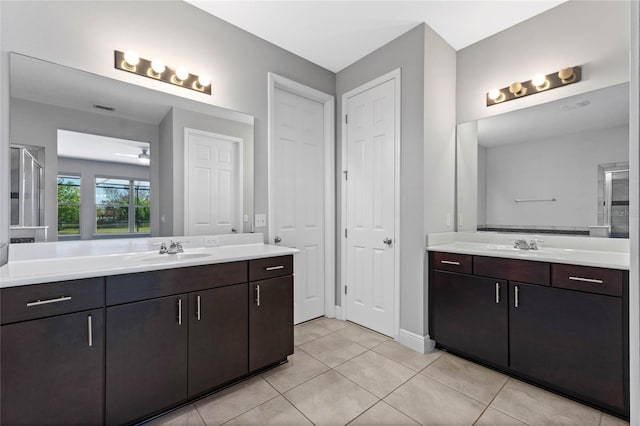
[(276, 81), (394, 75), (240, 203)]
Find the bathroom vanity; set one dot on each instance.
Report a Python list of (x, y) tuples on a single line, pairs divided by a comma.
[(144, 334), (556, 318)]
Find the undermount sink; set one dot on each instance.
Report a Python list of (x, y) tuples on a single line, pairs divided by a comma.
[(161, 258)]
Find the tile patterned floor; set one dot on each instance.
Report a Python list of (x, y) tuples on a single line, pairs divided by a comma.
[(343, 374)]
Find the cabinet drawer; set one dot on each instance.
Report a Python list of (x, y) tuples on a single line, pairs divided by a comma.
[(452, 262), (148, 285), (585, 278), (45, 300), (270, 267), (525, 271)]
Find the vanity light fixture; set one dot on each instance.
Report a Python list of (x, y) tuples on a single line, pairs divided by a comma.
[(538, 83), (130, 61)]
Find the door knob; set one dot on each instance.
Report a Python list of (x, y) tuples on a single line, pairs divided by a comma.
[(387, 241), (277, 239)]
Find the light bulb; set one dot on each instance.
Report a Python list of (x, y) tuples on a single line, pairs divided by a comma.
[(494, 94), (538, 80), (182, 74), (131, 58), (204, 80), (157, 66)]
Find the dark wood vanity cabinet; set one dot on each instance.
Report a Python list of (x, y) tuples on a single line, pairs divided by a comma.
[(561, 326), (471, 315), (52, 354), (270, 311), (218, 337), (146, 357)]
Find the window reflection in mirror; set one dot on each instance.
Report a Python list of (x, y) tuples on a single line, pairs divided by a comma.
[(105, 191)]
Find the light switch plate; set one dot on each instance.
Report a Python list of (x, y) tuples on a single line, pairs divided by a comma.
[(261, 219)]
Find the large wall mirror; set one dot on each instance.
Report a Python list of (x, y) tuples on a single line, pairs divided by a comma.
[(557, 168), (93, 157)]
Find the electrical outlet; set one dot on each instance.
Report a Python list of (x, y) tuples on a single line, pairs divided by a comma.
[(261, 220), (212, 241), (246, 218)]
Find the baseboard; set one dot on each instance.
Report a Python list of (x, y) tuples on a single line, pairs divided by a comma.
[(418, 343), (339, 313)]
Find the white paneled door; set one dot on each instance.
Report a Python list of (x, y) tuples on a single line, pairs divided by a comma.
[(213, 183), (370, 204), (296, 185)]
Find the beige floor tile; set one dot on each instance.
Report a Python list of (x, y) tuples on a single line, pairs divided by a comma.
[(536, 406), (331, 324), (307, 332), (470, 378), (384, 415), (332, 349), (186, 416), (330, 399), (608, 420), (412, 359), (376, 373), (238, 399), (300, 368), (493, 417), (430, 402), (362, 336), (277, 411)]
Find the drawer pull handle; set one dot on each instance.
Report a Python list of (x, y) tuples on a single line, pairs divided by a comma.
[(198, 307), (517, 297), (497, 292), (274, 268), (450, 262), (258, 295), (587, 280), (179, 311), (90, 328), (47, 301)]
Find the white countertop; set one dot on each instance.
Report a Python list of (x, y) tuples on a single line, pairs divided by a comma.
[(571, 256), (23, 270)]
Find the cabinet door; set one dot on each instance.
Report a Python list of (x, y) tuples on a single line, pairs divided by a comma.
[(52, 370), (146, 357), (270, 321), (470, 314), (218, 337), (568, 339)]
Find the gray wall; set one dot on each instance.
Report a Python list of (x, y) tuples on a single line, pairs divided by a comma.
[(5, 178), (83, 35), (594, 34), (36, 124), (166, 177), (88, 170)]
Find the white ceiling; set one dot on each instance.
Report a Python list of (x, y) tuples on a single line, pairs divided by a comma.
[(100, 148), (335, 34)]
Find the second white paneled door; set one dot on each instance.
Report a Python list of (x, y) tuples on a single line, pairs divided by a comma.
[(370, 207), (296, 199), (213, 183)]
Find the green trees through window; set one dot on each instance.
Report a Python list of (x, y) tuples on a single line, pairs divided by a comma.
[(122, 206), (68, 205)]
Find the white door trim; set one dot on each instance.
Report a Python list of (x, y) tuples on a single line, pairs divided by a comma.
[(395, 76), (240, 142), (328, 101)]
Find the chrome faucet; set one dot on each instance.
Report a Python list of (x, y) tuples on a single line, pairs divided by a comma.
[(521, 244), (175, 247)]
